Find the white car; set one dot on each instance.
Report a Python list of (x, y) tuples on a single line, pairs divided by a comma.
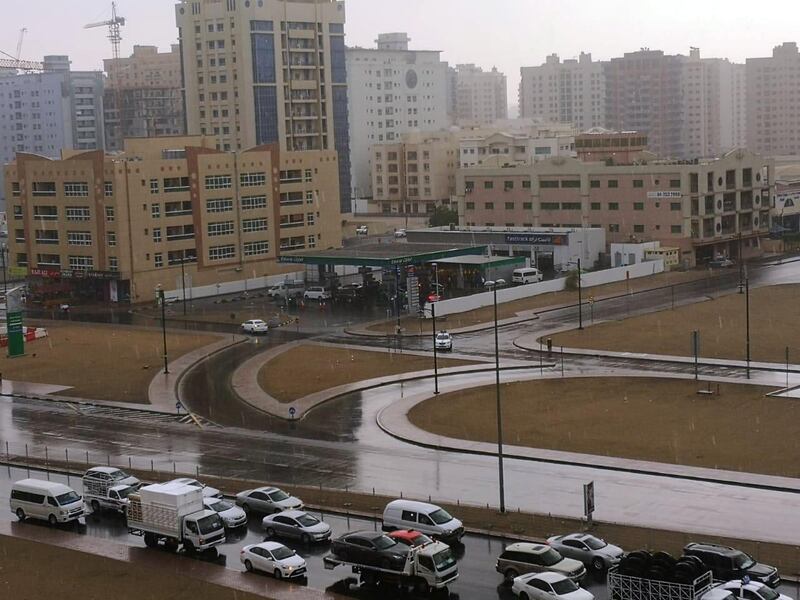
[(317, 293), (547, 586), (208, 491), (255, 326), (444, 341), (275, 558), (400, 233), (232, 516), (755, 590)]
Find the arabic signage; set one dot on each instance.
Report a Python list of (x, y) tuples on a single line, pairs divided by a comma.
[(538, 239), (663, 195)]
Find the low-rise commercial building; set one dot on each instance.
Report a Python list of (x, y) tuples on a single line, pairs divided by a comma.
[(169, 212)]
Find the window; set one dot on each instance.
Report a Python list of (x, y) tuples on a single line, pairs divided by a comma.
[(613, 183), (154, 186), (79, 238), (157, 234), (613, 206), (256, 248), (109, 214), (548, 184), (155, 210), (675, 206), (638, 183), (595, 206), (76, 189), (108, 189), (677, 229), (158, 259), (251, 179), (488, 185), (111, 238), (252, 202), (221, 252), (81, 263), (638, 206), (75, 213), (219, 205), (218, 182), (638, 229), (595, 183), (220, 228), (250, 225)]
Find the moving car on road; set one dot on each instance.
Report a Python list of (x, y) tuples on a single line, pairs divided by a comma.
[(548, 586), (371, 548), (296, 524), (274, 558), (267, 500), (524, 557), (590, 550), (444, 341), (255, 326), (232, 516), (208, 491)]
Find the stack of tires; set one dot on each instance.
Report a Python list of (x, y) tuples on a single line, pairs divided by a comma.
[(662, 566)]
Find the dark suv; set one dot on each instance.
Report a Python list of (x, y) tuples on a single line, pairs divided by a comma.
[(728, 563)]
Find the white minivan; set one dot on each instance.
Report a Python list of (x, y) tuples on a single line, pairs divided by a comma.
[(427, 518), (45, 500), (526, 275)]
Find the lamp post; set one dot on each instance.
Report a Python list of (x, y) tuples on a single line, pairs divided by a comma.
[(500, 476), (435, 358), (163, 326)]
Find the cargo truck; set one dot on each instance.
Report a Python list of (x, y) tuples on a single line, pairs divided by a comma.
[(173, 514)]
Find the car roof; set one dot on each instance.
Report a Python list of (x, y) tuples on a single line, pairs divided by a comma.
[(412, 505), (528, 547), (108, 470)]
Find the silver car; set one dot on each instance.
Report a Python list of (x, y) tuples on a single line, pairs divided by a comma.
[(590, 550), (268, 500), (296, 524)]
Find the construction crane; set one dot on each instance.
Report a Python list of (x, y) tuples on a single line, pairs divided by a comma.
[(113, 25)]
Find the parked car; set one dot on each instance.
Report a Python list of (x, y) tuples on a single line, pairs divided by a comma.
[(547, 586), (370, 548), (754, 590), (317, 293), (524, 557), (728, 563), (255, 326), (46, 500), (208, 491), (275, 558), (424, 517), (362, 230), (296, 524), (590, 550), (444, 341), (232, 516), (267, 499), (400, 233), (410, 537), (721, 263)]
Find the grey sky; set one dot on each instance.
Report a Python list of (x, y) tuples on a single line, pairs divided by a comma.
[(503, 33)]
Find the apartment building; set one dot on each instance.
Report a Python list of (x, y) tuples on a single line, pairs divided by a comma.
[(43, 113), (518, 141), (773, 101), (481, 97), (147, 87), (115, 226), (271, 71), (392, 91), (701, 208), (570, 91)]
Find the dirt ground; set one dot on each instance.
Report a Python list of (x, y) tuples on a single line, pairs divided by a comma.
[(774, 324), (99, 362), (310, 368), (506, 310), (663, 420)]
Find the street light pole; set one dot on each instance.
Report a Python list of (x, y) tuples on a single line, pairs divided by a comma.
[(164, 328), (435, 359), (747, 320), (580, 298), (499, 408)]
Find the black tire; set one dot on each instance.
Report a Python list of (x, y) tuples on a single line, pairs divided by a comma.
[(509, 575), (52, 520), (20, 514), (305, 539), (248, 565), (95, 506), (270, 532), (277, 574), (598, 564)]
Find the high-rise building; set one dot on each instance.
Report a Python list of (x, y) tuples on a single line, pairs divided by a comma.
[(45, 113), (481, 97), (392, 91), (267, 71), (773, 102), (148, 86), (572, 91)]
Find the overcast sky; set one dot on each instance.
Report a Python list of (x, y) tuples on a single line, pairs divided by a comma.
[(503, 33)]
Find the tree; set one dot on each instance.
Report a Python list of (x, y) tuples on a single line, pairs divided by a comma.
[(442, 216)]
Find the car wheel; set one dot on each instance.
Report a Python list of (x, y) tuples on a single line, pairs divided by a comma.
[(305, 539), (598, 564), (248, 565), (510, 574), (278, 574), (270, 532), (52, 520), (95, 506), (20, 514)]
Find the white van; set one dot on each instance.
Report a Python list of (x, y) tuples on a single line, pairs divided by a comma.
[(427, 518), (526, 275), (45, 500)]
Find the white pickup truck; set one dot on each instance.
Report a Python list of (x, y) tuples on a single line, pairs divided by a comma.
[(173, 513)]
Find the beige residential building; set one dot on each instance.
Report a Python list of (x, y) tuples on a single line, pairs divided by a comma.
[(701, 208), (147, 85), (114, 227), (481, 97), (416, 174), (271, 71)]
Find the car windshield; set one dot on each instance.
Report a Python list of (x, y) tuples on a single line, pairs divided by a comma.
[(221, 506), (307, 520), (564, 586), (444, 559), (742, 561), (595, 543), (551, 557), (209, 524), (440, 516), (278, 496), (383, 542), (67, 498), (282, 552)]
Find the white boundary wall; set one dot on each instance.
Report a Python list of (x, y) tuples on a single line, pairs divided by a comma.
[(458, 305)]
